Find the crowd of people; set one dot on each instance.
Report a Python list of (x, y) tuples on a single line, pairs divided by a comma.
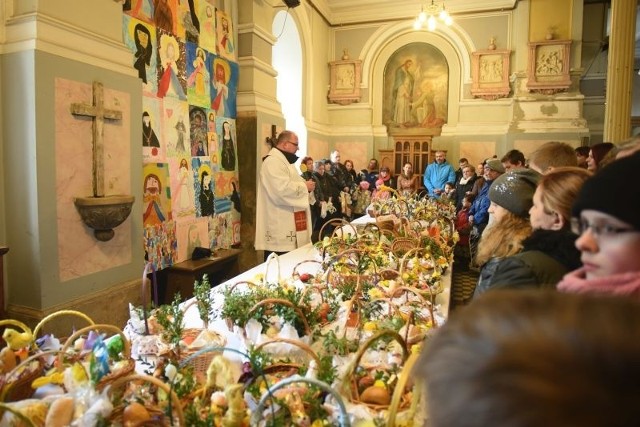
[(548, 337)]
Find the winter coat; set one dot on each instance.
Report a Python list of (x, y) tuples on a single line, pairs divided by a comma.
[(547, 255), (436, 175)]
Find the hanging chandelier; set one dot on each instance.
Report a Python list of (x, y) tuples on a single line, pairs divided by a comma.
[(430, 14)]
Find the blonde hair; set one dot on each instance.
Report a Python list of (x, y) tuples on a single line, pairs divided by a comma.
[(503, 238), (559, 189), (553, 154)]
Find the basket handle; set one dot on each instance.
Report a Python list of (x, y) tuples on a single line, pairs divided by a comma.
[(397, 392), (386, 332), (250, 284), (23, 418), (142, 377), (295, 273), (145, 283), (296, 343), (307, 329), (343, 417), (13, 322), (58, 314), (79, 332)]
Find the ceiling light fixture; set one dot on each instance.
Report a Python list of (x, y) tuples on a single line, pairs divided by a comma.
[(428, 14)]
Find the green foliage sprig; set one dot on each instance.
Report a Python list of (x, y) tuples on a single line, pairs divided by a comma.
[(171, 317), (204, 302)]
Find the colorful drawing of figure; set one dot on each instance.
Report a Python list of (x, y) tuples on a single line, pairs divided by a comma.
[(199, 76), (207, 38), (220, 82), (225, 37), (163, 16), (193, 239), (228, 149), (182, 131), (206, 195), (144, 50), (169, 83), (198, 132), (149, 138), (184, 193), (153, 214), (140, 9)]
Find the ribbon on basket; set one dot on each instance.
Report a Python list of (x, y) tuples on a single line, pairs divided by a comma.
[(145, 283)]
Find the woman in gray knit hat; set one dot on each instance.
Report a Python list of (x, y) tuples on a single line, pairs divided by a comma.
[(511, 196)]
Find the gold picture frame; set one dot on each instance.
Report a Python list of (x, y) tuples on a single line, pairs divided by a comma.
[(345, 81), (490, 73)]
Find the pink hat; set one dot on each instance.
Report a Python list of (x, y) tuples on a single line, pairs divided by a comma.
[(364, 185)]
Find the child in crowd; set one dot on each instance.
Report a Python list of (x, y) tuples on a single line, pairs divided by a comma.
[(609, 232), (362, 197), (449, 194), (461, 252), (381, 192)]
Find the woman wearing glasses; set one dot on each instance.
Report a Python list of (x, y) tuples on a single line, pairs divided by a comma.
[(609, 228)]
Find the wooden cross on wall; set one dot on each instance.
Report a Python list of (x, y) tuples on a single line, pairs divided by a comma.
[(98, 113)]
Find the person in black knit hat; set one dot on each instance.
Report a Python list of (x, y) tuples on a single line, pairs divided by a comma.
[(609, 229)]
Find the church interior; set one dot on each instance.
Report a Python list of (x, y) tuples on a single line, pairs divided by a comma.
[(213, 81)]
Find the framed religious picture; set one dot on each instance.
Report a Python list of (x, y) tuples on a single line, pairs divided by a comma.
[(490, 73), (548, 68), (345, 81)]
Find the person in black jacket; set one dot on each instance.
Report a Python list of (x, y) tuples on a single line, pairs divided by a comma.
[(550, 252)]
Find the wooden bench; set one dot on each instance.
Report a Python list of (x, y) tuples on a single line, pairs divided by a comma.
[(223, 265)]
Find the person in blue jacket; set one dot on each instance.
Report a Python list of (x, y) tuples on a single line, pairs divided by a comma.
[(438, 174)]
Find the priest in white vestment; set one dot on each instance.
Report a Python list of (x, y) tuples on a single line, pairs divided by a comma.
[(283, 218)]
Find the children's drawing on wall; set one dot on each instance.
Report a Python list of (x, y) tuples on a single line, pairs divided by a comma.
[(224, 35), (198, 131), (160, 244), (171, 67), (156, 194), (164, 15), (227, 136), (153, 151), (204, 188), (224, 87), (188, 22), (175, 119), (141, 39), (192, 233), (198, 87), (182, 188), (416, 81), (207, 39), (140, 9), (235, 194)]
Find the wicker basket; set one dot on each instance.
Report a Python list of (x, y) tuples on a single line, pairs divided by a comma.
[(16, 385), (157, 412), (352, 381), (39, 327), (272, 301), (258, 413), (129, 363)]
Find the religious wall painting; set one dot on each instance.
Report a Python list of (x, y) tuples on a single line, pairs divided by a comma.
[(204, 187), (141, 39), (160, 244), (156, 194), (153, 147), (222, 229), (416, 82), (226, 130), (192, 233), (199, 138), (207, 15), (224, 36), (198, 78), (139, 9), (345, 76), (172, 80), (182, 180), (175, 127), (224, 87)]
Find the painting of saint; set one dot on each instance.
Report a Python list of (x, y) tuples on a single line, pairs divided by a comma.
[(157, 208), (171, 69), (198, 80), (198, 131), (224, 87), (224, 36), (416, 82)]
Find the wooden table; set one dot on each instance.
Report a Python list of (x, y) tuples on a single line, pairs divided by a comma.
[(180, 277)]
